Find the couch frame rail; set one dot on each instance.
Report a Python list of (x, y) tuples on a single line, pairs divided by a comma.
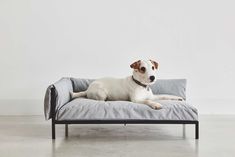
[(131, 121)]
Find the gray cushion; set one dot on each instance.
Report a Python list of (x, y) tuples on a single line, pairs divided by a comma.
[(80, 84), (87, 109), (175, 87)]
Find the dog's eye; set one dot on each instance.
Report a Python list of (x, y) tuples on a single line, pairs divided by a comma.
[(142, 69), (153, 67)]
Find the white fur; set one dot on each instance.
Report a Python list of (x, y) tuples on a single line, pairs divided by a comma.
[(126, 89)]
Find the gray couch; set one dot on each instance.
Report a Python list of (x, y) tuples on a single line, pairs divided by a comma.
[(62, 110)]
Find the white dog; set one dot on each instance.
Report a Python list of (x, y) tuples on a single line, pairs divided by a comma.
[(133, 88)]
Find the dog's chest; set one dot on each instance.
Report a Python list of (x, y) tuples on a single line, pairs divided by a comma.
[(143, 93)]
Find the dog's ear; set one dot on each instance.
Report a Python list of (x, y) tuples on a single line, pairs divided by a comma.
[(135, 65), (154, 63)]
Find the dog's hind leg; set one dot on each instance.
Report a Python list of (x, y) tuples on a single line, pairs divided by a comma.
[(97, 95), (97, 91), (77, 95)]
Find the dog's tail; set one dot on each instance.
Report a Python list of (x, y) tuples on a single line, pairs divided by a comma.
[(77, 95)]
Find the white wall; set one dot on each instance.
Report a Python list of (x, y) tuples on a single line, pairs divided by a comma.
[(43, 40)]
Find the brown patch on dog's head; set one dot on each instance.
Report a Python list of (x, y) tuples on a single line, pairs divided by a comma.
[(136, 65), (154, 63)]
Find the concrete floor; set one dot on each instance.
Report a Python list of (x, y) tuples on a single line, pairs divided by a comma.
[(31, 136)]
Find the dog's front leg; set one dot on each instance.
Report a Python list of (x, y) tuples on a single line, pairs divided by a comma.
[(166, 97), (150, 103)]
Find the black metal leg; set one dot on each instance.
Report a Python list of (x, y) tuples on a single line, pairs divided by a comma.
[(184, 131), (66, 130), (197, 130), (53, 104), (53, 130)]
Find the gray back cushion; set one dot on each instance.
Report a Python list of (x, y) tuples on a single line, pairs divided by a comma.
[(175, 87), (80, 84)]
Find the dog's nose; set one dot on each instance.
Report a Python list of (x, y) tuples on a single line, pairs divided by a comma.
[(152, 78)]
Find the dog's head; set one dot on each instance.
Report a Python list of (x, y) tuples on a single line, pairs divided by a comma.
[(145, 71)]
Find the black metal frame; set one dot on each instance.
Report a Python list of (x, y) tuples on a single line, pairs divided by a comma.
[(131, 121)]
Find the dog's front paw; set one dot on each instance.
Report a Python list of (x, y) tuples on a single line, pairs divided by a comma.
[(156, 106), (180, 98)]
